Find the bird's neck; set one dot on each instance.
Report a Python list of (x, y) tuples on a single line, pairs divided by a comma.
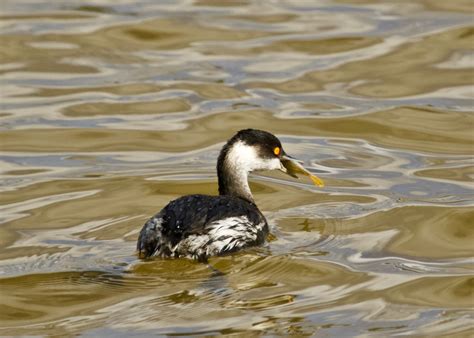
[(233, 173)]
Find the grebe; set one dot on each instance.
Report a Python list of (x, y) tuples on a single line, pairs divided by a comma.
[(199, 226)]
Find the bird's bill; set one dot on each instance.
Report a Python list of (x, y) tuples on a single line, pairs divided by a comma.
[(293, 166)]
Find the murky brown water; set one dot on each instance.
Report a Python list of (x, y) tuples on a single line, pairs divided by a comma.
[(110, 109)]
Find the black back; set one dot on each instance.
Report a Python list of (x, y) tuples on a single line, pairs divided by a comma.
[(191, 214)]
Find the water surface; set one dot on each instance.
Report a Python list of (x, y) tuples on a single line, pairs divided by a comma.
[(110, 109)]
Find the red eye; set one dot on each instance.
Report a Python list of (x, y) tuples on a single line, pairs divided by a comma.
[(276, 151)]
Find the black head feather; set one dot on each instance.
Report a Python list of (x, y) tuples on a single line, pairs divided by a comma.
[(264, 143)]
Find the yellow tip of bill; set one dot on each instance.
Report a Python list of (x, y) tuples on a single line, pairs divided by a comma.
[(317, 181)]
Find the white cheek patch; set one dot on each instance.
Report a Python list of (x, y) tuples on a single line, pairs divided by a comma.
[(274, 164), (244, 158)]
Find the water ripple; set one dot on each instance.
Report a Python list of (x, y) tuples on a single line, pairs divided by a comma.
[(111, 109)]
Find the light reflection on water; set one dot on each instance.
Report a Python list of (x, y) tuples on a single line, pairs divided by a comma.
[(111, 109)]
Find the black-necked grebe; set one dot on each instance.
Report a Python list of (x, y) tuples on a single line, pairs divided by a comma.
[(199, 226)]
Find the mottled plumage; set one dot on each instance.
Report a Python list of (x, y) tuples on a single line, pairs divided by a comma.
[(199, 226)]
